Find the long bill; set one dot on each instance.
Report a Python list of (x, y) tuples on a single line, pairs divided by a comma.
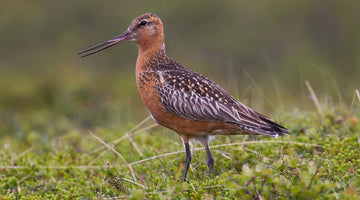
[(124, 36)]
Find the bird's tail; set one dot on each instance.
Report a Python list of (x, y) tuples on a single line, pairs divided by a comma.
[(272, 129)]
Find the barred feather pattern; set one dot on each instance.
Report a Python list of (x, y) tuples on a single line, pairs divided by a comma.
[(190, 95)]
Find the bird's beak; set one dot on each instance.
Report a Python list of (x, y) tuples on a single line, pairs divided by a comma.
[(124, 36)]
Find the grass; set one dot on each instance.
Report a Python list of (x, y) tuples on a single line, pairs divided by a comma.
[(53, 153)]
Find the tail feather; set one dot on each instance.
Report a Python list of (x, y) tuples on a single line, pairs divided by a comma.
[(273, 128)]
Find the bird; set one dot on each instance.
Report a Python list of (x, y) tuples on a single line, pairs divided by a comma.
[(180, 99)]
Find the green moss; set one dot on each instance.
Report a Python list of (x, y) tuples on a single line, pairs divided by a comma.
[(49, 154)]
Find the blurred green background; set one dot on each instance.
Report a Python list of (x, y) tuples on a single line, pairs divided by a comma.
[(260, 51)]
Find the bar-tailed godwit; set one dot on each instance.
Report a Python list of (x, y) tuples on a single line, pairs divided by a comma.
[(181, 99)]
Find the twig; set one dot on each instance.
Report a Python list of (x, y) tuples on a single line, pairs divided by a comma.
[(116, 152), (314, 98)]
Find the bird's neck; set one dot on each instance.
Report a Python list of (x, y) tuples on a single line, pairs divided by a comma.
[(146, 50), (149, 58), (151, 43)]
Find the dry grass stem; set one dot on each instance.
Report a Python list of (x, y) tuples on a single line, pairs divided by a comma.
[(314, 98), (154, 157), (96, 158), (117, 153), (134, 132), (158, 156), (23, 153), (224, 145), (127, 133), (85, 167), (134, 144), (250, 150), (356, 94), (164, 192), (257, 87), (192, 185), (211, 186), (223, 154), (135, 183)]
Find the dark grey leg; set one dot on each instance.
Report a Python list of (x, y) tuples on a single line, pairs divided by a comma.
[(210, 161), (187, 160)]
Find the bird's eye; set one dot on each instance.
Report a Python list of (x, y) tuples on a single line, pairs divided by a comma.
[(143, 23)]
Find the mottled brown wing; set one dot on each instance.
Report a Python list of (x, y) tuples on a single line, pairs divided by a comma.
[(192, 96)]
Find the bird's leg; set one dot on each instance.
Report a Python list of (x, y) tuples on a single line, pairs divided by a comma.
[(187, 160), (210, 161)]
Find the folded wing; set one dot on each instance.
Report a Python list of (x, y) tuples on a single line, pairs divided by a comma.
[(192, 96)]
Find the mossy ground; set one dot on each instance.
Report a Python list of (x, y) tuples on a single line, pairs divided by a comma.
[(320, 160), (54, 152)]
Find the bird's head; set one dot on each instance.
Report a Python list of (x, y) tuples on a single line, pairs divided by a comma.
[(146, 30)]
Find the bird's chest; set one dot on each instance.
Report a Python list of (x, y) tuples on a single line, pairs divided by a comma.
[(147, 83)]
